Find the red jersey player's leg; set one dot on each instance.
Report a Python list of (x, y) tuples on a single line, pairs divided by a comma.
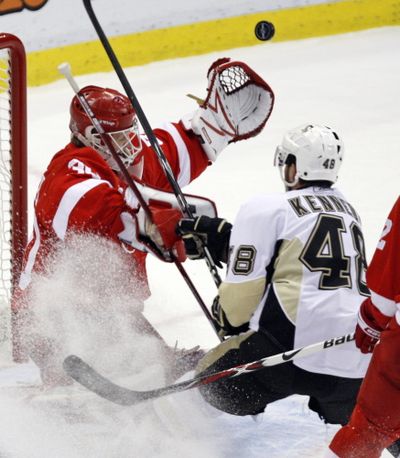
[(375, 422)]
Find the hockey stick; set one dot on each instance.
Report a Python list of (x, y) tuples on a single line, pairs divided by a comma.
[(65, 69), (84, 374), (184, 206)]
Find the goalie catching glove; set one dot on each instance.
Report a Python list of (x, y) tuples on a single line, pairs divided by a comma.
[(238, 104), (205, 231)]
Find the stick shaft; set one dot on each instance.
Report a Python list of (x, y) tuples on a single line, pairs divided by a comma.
[(92, 380), (183, 204), (65, 69)]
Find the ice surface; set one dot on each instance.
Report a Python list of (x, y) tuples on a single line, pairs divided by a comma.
[(349, 82)]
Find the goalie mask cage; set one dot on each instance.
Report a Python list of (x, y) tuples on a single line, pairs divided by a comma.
[(13, 182)]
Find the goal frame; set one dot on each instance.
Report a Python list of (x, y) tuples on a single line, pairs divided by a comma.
[(18, 165)]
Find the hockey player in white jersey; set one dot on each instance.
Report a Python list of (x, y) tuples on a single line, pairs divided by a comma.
[(295, 276)]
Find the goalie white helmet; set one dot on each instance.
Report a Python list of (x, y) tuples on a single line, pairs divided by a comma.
[(317, 150)]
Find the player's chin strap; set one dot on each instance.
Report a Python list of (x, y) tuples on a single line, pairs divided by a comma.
[(65, 69)]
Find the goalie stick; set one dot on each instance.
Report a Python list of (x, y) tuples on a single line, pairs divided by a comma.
[(84, 374), (184, 206)]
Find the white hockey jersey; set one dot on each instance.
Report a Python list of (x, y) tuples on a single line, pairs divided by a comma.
[(297, 271)]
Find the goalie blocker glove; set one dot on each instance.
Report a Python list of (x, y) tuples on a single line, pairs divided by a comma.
[(203, 230), (238, 104), (152, 231)]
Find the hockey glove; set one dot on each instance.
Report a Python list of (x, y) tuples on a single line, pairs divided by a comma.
[(223, 326), (238, 104), (159, 231), (203, 230), (370, 323)]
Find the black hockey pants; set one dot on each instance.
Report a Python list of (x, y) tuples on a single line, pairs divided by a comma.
[(331, 397)]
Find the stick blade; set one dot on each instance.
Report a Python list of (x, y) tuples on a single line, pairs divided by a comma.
[(81, 372)]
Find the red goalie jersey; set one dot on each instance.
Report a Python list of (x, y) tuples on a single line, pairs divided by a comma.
[(81, 193), (375, 422)]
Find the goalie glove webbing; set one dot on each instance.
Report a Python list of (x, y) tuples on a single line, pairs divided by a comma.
[(238, 104)]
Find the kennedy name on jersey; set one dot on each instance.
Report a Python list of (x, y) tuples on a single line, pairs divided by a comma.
[(305, 204)]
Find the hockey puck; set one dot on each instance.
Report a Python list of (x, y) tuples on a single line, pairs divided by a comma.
[(264, 30)]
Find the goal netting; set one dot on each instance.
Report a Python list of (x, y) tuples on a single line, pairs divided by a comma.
[(13, 181)]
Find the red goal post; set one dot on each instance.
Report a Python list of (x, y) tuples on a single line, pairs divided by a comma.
[(13, 179)]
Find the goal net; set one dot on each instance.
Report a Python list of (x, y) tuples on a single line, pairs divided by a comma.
[(13, 182)]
